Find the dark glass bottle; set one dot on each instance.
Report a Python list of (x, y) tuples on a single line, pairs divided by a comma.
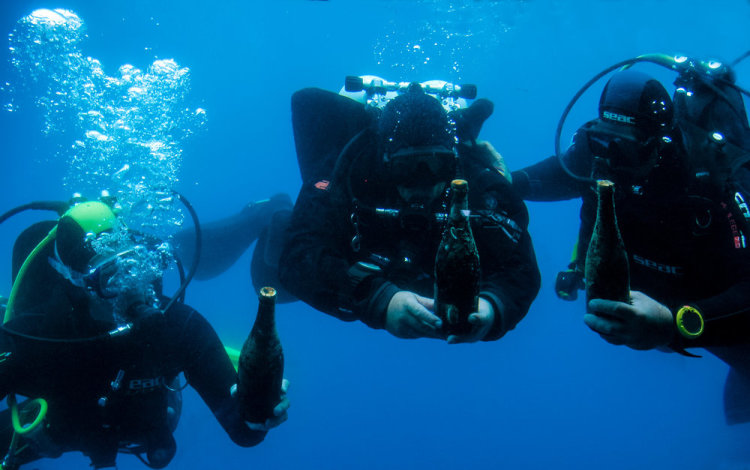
[(607, 271), (261, 365), (457, 269)]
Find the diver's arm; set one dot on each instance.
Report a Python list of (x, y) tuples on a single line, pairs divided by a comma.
[(210, 371), (512, 289), (314, 264), (510, 275), (548, 181), (543, 181), (727, 314)]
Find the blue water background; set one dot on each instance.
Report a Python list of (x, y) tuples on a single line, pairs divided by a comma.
[(550, 394)]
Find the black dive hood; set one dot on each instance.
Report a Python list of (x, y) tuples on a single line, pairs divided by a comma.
[(709, 73)]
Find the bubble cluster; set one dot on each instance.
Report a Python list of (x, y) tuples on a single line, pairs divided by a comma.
[(445, 39), (136, 268), (125, 133), (126, 130), (44, 48)]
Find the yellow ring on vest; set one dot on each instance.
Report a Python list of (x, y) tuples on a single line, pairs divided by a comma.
[(689, 322)]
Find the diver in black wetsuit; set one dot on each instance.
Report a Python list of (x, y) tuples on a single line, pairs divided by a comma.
[(364, 231), (101, 354), (682, 211)]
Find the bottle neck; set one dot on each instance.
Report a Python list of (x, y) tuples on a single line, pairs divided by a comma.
[(459, 210), (266, 318), (606, 206)]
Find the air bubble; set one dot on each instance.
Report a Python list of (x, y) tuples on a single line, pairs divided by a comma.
[(137, 119)]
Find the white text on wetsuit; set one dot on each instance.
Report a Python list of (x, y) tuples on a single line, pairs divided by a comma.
[(144, 385), (662, 268)]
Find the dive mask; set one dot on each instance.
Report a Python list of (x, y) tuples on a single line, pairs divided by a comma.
[(418, 166), (625, 150), (101, 273)]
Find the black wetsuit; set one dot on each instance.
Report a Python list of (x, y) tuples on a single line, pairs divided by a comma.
[(686, 246), (92, 410), (335, 225)]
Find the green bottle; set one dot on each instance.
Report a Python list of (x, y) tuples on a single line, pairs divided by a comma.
[(261, 364), (607, 270), (457, 271)]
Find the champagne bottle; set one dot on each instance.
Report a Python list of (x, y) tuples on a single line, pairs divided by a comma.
[(457, 266), (261, 364), (607, 271)]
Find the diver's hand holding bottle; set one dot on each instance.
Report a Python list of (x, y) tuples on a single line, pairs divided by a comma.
[(410, 316), (642, 323), (607, 272), (261, 388), (617, 314), (457, 267)]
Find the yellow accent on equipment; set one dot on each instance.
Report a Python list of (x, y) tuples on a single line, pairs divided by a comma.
[(26, 428), (234, 356), (689, 322), (92, 216), (9, 310)]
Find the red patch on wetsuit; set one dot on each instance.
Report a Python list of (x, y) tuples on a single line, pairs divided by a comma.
[(737, 235), (322, 185)]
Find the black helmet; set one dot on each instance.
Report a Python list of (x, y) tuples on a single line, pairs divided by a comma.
[(635, 116), (634, 100), (414, 119), (417, 139)]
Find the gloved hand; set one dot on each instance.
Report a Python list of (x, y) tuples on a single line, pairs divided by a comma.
[(481, 320), (495, 159), (568, 283), (412, 316), (642, 324), (279, 411)]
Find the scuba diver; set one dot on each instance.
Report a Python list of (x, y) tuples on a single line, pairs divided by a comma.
[(375, 165), (680, 168), (88, 337)]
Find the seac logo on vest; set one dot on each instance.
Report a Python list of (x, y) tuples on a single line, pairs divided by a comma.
[(618, 117), (145, 385), (662, 268)]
